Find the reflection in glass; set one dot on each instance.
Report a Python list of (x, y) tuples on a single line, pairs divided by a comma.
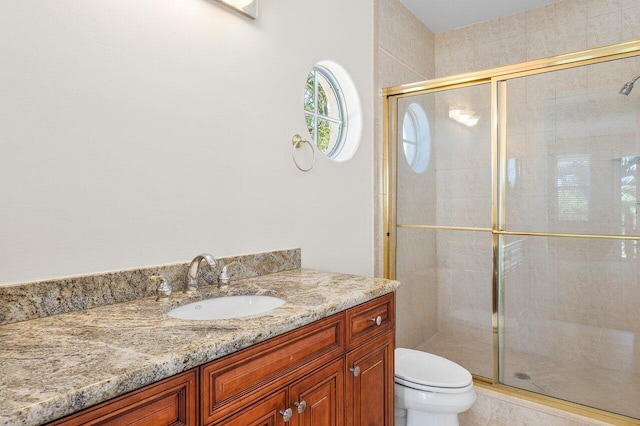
[(573, 187), (577, 140), (444, 167), (416, 138)]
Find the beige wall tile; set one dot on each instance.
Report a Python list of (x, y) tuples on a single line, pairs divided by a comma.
[(541, 44), (402, 34), (631, 23), (541, 18), (626, 4), (602, 7), (571, 10), (604, 29), (513, 25), (571, 37)]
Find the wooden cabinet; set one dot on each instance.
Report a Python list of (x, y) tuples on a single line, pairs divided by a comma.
[(234, 382), (172, 401), (369, 383), (318, 398), (333, 372), (336, 371), (370, 363)]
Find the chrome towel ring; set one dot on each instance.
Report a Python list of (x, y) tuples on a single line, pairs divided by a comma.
[(297, 142)]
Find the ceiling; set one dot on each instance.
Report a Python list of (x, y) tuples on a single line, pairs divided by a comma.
[(441, 15)]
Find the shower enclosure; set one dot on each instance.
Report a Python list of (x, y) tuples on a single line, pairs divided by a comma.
[(512, 221)]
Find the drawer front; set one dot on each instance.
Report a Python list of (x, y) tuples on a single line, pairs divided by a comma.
[(370, 319), (264, 367), (169, 402), (265, 412)]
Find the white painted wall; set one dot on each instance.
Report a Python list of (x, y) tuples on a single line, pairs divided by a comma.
[(144, 132)]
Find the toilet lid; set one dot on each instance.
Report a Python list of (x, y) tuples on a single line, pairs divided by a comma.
[(424, 368)]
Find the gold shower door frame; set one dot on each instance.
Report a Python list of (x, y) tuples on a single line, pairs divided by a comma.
[(497, 77)]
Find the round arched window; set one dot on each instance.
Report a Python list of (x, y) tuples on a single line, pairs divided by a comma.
[(332, 111), (416, 138)]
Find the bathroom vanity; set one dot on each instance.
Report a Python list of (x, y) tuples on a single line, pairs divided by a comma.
[(325, 357), (338, 370)]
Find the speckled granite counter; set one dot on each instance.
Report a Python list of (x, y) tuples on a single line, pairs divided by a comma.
[(54, 366)]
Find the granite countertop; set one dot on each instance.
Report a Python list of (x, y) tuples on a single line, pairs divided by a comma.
[(54, 366)]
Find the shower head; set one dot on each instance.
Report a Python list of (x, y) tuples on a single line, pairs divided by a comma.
[(628, 86)]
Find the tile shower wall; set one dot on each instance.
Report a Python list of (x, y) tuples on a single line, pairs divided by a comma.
[(404, 53), (562, 27)]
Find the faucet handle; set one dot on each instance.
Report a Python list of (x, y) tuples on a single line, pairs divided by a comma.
[(224, 277), (163, 291)]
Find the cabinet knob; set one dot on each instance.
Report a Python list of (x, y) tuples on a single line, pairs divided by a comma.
[(302, 405), (286, 414), (377, 320), (355, 370)]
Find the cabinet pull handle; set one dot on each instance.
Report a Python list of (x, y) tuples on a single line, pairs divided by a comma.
[(377, 320), (302, 405), (286, 414), (355, 371)]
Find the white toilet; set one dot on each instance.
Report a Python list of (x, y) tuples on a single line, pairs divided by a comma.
[(430, 390)]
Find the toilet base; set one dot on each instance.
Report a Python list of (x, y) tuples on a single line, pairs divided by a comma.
[(420, 418)]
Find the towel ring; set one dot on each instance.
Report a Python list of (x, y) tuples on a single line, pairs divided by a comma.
[(297, 142)]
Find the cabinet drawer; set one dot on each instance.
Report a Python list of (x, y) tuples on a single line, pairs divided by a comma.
[(262, 368), (265, 412), (370, 319), (169, 402)]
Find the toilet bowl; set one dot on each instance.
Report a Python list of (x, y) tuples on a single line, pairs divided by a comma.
[(430, 390)]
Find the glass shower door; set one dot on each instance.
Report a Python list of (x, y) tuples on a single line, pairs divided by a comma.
[(444, 241), (570, 274)]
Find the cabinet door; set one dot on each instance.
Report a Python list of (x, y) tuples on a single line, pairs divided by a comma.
[(264, 412), (169, 402), (317, 399), (369, 383)]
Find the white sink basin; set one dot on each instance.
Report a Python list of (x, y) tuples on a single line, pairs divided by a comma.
[(226, 307)]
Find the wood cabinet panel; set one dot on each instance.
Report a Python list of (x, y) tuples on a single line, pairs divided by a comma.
[(230, 383), (361, 320), (369, 390), (265, 412), (172, 401), (322, 394)]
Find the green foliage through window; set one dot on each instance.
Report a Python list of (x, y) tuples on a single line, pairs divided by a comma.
[(322, 106)]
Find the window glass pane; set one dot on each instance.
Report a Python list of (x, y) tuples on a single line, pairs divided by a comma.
[(327, 136), (310, 124), (325, 111), (327, 99), (309, 91)]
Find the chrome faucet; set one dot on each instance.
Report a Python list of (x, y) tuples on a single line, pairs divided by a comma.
[(192, 274)]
